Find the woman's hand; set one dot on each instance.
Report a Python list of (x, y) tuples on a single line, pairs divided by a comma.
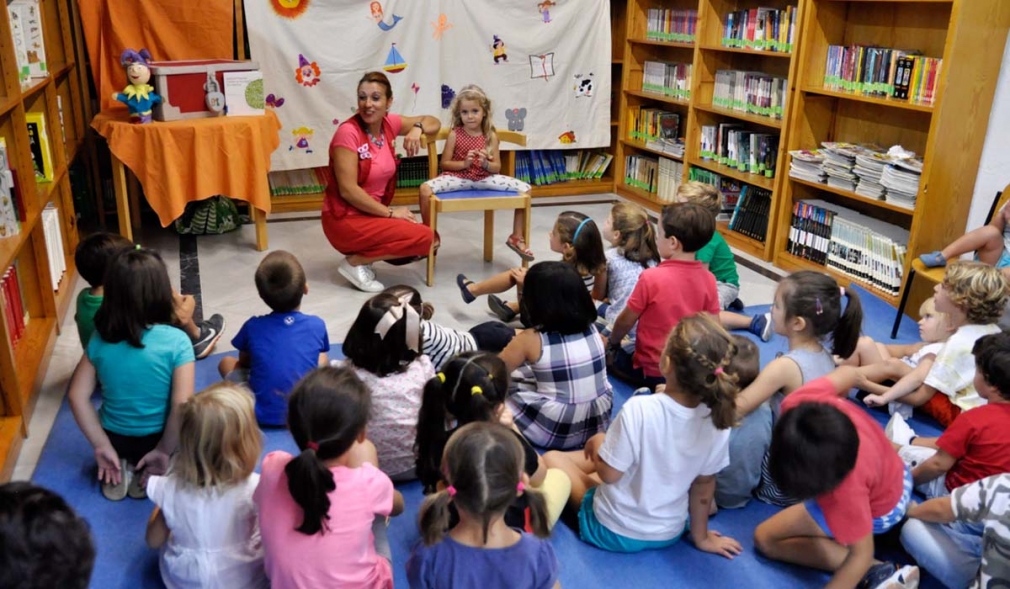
[(403, 213), (412, 141), (109, 469)]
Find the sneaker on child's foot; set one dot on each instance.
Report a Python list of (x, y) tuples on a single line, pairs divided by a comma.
[(361, 277), (906, 577), (761, 326), (902, 409), (736, 305), (135, 489), (933, 259), (116, 492), (210, 331), (642, 391), (898, 431)]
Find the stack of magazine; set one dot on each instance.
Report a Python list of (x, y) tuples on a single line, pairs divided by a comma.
[(870, 163), (839, 160), (806, 165), (901, 178)]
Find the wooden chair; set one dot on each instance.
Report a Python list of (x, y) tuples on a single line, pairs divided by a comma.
[(935, 275), (477, 200)]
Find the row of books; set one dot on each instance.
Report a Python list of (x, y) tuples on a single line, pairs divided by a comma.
[(542, 167), (297, 182), (750, 216), (866, 169), (666, 24), (54, 243), (750, 92), (26, 34), (863, 248), (412, 172), (761, 29), (731, 145), (646, 124), (12, 206), (669, 79), (642, 172), (882, 71), (14, 308), (729, 189)]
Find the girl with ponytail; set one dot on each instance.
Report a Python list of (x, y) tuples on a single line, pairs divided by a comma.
[(635, 486), (323, 512), (483, 466), (472, 388)]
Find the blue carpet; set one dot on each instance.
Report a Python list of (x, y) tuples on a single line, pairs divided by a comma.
[(67, 466)]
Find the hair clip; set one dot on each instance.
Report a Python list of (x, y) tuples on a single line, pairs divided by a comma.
[(520, 487), (476, 390), (818, 309), (413, 323), (314, 446), (718, 370), (441, 377), (451, 491)]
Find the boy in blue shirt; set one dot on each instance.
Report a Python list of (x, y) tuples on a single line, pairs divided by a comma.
[(278, 349)]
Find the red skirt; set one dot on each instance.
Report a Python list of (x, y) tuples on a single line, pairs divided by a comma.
[(376, 237)]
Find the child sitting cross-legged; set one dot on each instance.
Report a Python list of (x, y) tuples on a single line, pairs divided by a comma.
[(907, 364), (637, 486), (835, 458), (678, 287), (561, 396), (973, 296), (204, 521), (483, 468), (276, 350)]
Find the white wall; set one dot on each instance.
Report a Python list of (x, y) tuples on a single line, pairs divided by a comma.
[(994, 167)]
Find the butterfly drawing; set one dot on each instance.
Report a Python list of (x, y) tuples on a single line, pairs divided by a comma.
[(274, 101)]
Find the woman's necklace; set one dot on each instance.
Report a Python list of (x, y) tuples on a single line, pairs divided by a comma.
[(379, 142)]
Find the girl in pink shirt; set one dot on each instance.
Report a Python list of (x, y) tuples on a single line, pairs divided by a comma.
[(323, 513)]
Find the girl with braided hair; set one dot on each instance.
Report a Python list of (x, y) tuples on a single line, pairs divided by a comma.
[(635, 486)]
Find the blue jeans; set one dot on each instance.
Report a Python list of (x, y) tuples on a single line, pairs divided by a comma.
[(748, 442), (950, 552)]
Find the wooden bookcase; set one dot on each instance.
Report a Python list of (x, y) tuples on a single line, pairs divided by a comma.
[(707, 55), (23, 366), (969, 35)]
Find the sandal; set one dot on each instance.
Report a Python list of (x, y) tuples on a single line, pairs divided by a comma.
[(463, 282), (523, 251)]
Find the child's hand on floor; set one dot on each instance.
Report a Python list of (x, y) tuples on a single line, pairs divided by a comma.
[(716, 543)]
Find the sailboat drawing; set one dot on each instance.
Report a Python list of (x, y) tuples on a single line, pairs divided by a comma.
[(394, 61)]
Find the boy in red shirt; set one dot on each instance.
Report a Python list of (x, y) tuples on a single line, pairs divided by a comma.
[(975, 445), (827, 450), (678, 287)]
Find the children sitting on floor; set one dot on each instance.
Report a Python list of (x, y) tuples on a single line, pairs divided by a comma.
[(807, 310), (561, 396), (574, 236), (472, 388), (383, 346), (975, 445), (146, 370), (962, 540), (323, 512), (833, 456), (440, 344), (973, 296), (651, 476), (204, 520), (678, 287), (718, 258), (483, 467), (93, 255), (276, 350), (907, 364)]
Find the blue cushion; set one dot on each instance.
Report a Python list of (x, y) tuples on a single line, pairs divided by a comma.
[(461, 194)]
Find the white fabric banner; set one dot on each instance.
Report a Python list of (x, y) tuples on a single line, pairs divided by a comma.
[(551, 78)]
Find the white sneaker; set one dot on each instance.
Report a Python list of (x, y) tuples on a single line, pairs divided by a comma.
[(359, 277), (898, 431), (368, 269), (906, 577), (902, 409)]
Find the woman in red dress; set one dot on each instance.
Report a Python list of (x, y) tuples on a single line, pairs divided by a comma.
[(357, 218)]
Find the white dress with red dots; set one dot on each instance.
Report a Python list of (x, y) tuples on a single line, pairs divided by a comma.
[(475, 177)]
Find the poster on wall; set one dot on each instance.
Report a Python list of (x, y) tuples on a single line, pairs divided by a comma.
[(544, 65)]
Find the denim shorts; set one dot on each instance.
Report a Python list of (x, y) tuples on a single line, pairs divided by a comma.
[(593, 532), (880, 524)]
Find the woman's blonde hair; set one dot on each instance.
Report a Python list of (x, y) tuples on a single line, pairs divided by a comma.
[(637, 236), (702, 194), (476, 94), (219, 441), (978, 289)]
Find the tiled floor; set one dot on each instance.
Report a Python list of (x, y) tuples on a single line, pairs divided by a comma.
[(227, 263)]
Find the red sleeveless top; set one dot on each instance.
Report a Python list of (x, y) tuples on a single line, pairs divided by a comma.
[(464, 143)]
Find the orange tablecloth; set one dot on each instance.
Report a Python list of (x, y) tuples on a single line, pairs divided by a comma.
[(184, 161)]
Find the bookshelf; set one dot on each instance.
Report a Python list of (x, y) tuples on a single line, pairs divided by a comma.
[(59, 96), (708, 54), (948, 133)]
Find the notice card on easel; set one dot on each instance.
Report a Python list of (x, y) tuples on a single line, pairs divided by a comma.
[(243, 93)]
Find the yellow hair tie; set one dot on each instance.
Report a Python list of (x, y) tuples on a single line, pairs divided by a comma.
[(441, 377), (476, 390)]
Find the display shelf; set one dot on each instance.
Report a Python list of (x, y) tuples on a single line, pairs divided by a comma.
[(792, 263), (889, 102), (658, 97), (641, 147), (11, 437), (855, 197), (740, 241), (32, 359), (740, 116), (653, 43), (752, 179), (642, 197), (37, 85), (745, 51)]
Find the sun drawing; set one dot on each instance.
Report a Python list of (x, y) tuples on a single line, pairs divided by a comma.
[(289, 8)]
